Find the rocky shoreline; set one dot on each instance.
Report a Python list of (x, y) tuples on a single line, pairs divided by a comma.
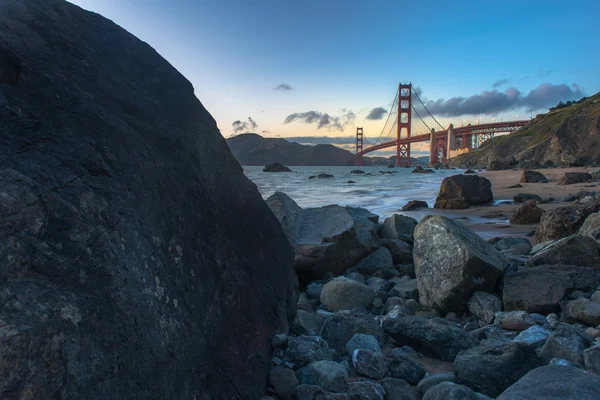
[(430, 310)]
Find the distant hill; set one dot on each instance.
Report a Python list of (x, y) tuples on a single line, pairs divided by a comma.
[(567, 135), (253, 149)]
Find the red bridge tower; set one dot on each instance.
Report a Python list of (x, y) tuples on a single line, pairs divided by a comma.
[(404, 114)]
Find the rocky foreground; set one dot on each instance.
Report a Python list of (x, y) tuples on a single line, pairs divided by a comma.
[(401, 310)]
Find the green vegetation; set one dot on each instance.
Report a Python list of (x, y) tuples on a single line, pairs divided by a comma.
[(568, 131)]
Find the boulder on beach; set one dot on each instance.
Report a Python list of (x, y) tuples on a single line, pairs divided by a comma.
[(131, 238), (452, 262), (398, 227), (574, 250), (461, 191), (414, 205), (528, 213), (276, 167), (492, 367), (533, 177), (523, 197), (571, 178), (434, 336), (553, 382), (325, 239), (564, 221), (469, 171), (540, 289), (357, 171)]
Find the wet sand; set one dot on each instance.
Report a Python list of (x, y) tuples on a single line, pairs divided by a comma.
[(493, 220)]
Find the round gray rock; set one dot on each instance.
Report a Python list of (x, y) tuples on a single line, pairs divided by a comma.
[(346, 294)]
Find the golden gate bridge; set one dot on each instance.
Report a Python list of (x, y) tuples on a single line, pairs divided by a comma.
[(409, 121)]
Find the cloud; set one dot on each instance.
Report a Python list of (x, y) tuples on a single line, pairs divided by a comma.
[(246, 126), (264, 131), (500, 82), (377, 113), (323, 120), (491, 102), (284, 87)]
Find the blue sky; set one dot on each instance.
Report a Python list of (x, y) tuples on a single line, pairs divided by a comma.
[(344, 58)]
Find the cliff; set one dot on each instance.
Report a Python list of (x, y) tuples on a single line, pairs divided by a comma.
[(566, 136)]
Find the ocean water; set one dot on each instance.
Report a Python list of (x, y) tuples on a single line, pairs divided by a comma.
[(382, 194)]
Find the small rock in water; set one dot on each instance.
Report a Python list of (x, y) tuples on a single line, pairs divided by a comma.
[(276, 167), (414, 205)]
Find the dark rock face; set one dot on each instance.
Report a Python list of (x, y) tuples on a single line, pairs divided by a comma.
[(574, 177), (533, 177), (461, 191), (130, 236), (452, 262), (414, 205), (494, 366), (554, 382), (574, 250), (436, 336), (276, 167), (564, 221), (528, 213), (540, 289)]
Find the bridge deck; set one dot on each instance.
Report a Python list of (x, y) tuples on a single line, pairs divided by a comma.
[(460, 131)]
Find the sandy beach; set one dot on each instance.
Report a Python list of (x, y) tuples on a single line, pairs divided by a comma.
[(493, 220)]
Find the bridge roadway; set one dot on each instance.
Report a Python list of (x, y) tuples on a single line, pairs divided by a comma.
[(495, 127)]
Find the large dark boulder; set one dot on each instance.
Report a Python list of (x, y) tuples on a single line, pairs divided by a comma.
[(452, 262), (533, 177), (564, 221), (434, 336), (461, 191), (570, 178), (554, 382), (136, 261), (540, 289), (494, 366), (528, 213), (575, 250), (325, 239)]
